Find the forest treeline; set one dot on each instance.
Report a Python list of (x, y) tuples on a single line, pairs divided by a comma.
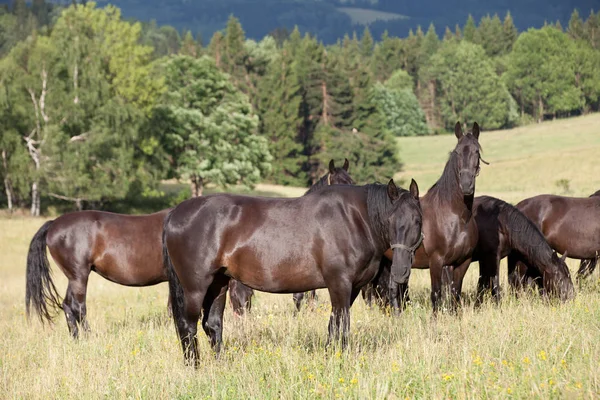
[(96, 108)]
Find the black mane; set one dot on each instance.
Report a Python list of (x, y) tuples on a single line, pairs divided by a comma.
[(318, 184), (379, 207), (523, 235)]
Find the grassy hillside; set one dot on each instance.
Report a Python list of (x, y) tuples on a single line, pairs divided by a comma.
[(524, 161), (524, 348)]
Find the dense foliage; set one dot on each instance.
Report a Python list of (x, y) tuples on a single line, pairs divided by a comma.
[(95, 108)]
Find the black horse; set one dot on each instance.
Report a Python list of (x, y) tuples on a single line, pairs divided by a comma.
[(333, 238)]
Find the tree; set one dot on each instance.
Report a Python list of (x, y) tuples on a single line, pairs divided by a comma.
[(399, 80), (85, 90), (366, 44), (209, 126), (189, 46), (541, 72), (280, 114), (403, 115), (575, 28), (509, 33), (469, 29), (469, 89), (592, 30)]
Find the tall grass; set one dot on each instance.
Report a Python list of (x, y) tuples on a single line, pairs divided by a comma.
[(524, 348)]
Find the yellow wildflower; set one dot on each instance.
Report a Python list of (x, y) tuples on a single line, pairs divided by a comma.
[(542, 355), (341, 380)]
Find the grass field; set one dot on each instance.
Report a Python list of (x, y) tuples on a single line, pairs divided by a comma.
[(524, 348)]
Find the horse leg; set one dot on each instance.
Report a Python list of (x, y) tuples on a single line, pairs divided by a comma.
[(298, 300), (586, 267), (213, 308), (516, 274), (74, 304), (187, 325), (458, 274), (448, 286), (341, 294), (367, 294), (487, 275), (435, 272)]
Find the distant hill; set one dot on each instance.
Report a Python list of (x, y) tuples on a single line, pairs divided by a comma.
[(331, 19)]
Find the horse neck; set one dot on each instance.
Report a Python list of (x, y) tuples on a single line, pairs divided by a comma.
[(525, 237), (446, 191)]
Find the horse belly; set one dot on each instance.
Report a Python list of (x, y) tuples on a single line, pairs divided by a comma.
[(133, 269), (274, 272)]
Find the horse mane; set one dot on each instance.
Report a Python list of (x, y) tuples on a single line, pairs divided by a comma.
[(318, 184), (523, 235), (379, 208)]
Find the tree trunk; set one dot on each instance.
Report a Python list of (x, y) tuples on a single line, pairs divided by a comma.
[(197, 186), (35, 200), (541, 110), (7, 184)]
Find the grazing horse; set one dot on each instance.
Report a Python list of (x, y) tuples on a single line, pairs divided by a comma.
[(332, 238), (448, 225), (125, 249), (587, 266), (240, 294), (571, 225)]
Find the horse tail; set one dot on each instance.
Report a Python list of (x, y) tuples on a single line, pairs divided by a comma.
[(175, 288), (40, 289)]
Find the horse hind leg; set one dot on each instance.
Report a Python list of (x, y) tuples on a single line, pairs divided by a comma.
[(586, 268), (74, 305), (213, 308), (298, 300)]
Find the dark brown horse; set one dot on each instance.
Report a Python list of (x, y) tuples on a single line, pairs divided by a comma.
[(124, 249), (240, 294), (571, 225), (504, 230), (587, 266), (448, 225), (332, 238)]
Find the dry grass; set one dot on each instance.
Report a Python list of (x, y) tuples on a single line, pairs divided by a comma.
[(523, 348)]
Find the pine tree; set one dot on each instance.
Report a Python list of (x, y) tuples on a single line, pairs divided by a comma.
[(592, 30), (509, 33), (457, 32), (448, 34), (216, 48), (558, 25), (366, 44), (387, 56), (575, 28), (469, 29), (189, 47), (280, 114)]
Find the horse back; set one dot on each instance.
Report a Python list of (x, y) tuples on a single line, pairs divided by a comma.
[(125, 249)]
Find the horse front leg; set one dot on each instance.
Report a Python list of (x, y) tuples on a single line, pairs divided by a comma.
[(342, 296), (435, 272), (458, 274)]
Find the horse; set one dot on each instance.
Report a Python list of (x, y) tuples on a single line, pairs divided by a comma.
[(571, 225), (240, 294), (333, 238), (587, 266), (505, 231), (312, 295), (111, 245), (450, 231)]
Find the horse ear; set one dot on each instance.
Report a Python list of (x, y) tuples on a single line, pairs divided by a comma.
[(476, 130), (346, 164), (392, 190), (564, 256), (414, 189), (458, 130), (331, 166)]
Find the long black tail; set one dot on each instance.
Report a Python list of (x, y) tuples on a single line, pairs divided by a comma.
[(40, 289), (175, 289)]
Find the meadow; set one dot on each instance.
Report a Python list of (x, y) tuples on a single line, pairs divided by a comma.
[(523, 348)]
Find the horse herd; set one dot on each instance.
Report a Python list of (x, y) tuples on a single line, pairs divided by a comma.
[(338, 236)]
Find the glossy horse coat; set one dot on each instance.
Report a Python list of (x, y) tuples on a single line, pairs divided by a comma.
[(571, 225), (448, 225), (332, 238), (124, 249)]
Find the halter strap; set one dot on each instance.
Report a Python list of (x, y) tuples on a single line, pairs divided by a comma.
[(412, 248), (329, 179)]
